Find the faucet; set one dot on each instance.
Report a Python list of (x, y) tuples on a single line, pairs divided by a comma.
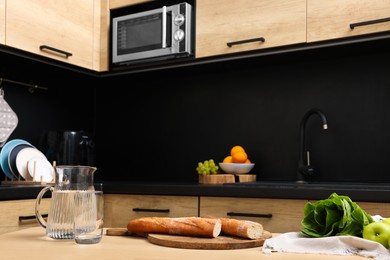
[(304, 168)]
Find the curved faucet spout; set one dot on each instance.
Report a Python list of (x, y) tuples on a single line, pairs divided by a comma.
[(304, 167)]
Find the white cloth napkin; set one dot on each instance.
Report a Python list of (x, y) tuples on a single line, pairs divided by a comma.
[(297, 242)]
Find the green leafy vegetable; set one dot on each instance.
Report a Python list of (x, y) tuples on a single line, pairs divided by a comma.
[(335, 216)]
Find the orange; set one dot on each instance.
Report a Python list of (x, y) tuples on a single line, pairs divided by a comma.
[(235, 149), (248, 161), (228, 159), (239, 157)]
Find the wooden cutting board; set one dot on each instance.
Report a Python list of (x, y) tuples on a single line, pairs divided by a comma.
[(220, 242)]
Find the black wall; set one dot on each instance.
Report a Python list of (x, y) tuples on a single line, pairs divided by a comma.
[(67, 104), (161, 124), (157, 125)]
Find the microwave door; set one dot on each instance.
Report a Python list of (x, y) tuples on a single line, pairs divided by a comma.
[(142, 35)]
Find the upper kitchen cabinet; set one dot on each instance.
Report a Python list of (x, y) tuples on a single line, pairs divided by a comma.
[(74, 32), (122, 3), (224, 27), (334, 19), (2, 21)]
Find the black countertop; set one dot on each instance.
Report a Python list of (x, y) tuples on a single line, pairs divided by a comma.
[(16, 192), (280, 190)]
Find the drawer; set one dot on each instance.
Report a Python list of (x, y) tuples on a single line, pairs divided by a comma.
[(120, 208), (276, 215), (20, 214)]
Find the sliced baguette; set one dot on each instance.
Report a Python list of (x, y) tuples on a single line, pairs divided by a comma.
[(241, 228)]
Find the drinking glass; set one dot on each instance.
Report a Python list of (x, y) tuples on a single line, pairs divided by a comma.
[(89, 212)]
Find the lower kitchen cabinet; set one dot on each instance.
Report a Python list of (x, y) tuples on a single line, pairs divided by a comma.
[(276, 215), (376, 208), (373, 208), (120, 208), (20, 214)]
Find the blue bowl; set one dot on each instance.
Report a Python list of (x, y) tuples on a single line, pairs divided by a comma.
[(4, 154)]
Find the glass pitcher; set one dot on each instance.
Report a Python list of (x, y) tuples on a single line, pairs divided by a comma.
[(69, 180)]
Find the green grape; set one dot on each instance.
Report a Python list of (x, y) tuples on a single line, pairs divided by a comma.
[(207, 167)]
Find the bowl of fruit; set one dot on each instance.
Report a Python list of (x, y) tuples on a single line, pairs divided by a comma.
[(237, 162)]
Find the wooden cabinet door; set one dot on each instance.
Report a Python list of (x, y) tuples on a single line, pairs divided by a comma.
[(332, 19), (276, 215), (122, 3), (376, 208), (120, 208), (20, 214), (2, 21), (67, 26), (220, 22)]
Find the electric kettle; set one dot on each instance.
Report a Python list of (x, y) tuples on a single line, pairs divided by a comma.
[(68, 147)]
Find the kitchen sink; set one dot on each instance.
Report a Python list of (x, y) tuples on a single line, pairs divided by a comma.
[(312, 185)]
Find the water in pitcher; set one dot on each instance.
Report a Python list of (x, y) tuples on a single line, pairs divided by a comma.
[(60, 224), (72, 196)]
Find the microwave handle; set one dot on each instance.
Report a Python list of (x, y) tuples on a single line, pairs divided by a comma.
[(164, 26)]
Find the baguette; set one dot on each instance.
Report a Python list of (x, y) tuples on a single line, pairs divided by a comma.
[(187, 226), (241, 228)]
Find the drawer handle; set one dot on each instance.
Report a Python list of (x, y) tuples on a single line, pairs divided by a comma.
[(21, 218), (45, 47), (383, 20), (261, 39), (237, 214), (151, 210)]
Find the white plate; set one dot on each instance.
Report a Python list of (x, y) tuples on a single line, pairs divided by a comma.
[(39, 167), (24, 156), (12, 158)]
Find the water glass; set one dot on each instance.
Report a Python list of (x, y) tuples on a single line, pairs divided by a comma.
[(88, 221)]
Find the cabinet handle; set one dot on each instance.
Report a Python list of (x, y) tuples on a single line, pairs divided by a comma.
[(151, 210), (261, 39), (269, 215), (353, 25), (21, 218), (45, 47)]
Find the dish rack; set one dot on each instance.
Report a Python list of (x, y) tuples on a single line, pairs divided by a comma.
[(29, 180)]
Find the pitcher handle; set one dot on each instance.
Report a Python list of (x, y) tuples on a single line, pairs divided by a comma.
[(38, 215)]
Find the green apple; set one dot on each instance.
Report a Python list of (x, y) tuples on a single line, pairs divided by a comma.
[(378, 232), (387, 220)]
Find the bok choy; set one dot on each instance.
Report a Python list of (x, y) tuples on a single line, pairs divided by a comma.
[(335, 216)]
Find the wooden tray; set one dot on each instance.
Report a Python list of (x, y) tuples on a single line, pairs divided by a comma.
[(226, 178), (221, 242)]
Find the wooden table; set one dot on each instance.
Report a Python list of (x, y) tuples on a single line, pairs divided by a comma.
[(32, 243)]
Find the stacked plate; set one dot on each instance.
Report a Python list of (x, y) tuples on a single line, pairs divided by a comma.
[(19, 158)]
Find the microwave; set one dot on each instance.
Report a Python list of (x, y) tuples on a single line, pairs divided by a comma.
[(157, 34)]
